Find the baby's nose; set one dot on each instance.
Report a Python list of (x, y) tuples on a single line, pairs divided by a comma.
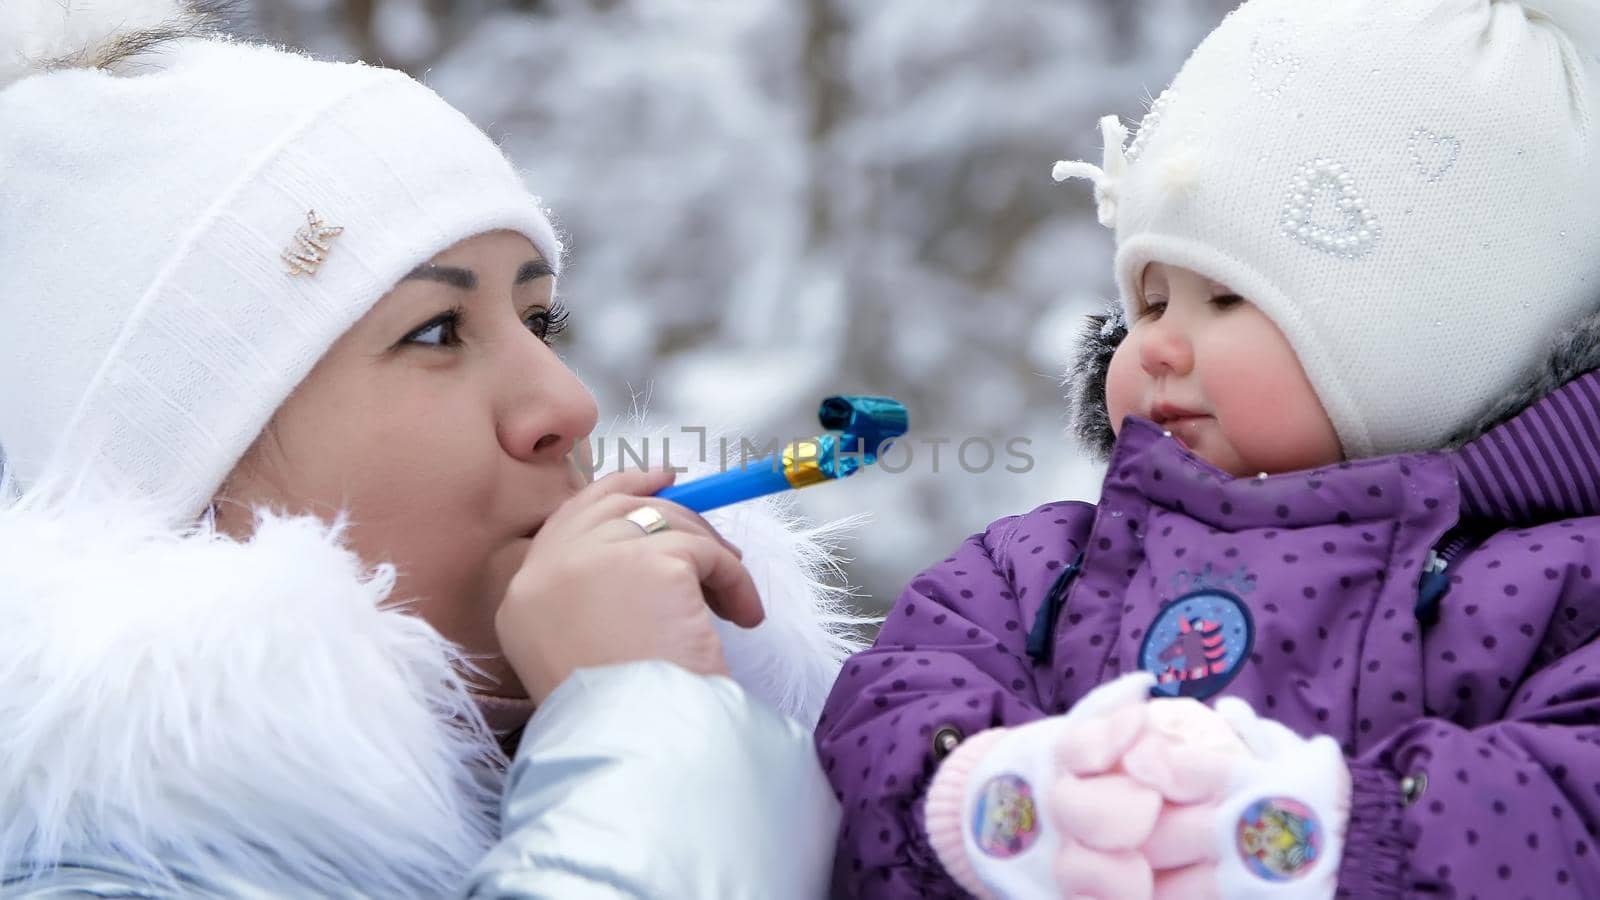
[(1165, 350)]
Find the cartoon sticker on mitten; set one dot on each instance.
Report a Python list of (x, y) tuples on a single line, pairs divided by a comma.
[(1006, 820), (1279, 838)]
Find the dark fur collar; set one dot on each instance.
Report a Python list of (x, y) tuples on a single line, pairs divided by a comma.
[(1086, 381)]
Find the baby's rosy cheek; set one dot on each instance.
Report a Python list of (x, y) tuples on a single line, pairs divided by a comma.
[(1276, 436), (1122, 385)]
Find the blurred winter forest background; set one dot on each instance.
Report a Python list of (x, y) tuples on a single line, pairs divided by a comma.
[(770, 201)]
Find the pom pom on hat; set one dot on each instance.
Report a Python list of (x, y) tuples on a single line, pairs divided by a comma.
[(1181, 171), (43, 35)]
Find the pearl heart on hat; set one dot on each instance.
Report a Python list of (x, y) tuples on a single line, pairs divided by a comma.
[(1433, 154), (1272, 64), (1149, 124), (1314, 185)]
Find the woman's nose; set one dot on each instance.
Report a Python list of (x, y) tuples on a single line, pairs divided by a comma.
[(1165, 349), (547, 410)]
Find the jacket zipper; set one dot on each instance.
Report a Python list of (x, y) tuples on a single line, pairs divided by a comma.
[(1435, 582), (1040, 636)]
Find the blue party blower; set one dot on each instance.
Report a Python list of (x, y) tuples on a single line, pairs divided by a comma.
[(859, 430)]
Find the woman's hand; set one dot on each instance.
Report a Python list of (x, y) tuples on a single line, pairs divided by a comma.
[(594, 589)]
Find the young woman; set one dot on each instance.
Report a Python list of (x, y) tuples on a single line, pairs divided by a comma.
[(296, 533)]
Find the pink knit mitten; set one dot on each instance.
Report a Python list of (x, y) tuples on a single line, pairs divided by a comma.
[(1249, 809), (1057, 808), (1280, 828), (1128, 798)]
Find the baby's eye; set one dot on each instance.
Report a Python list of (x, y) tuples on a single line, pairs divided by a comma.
[(1226, 301), (546, 323), (440, 331), (1153, 308)]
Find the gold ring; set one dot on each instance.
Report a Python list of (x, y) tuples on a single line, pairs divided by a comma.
[(648, 518)]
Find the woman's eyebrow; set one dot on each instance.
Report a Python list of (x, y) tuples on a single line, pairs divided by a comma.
[(464, 279), (533, 269)]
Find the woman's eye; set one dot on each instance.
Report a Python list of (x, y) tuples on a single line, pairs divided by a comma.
[(1153, 309), (439, 331), (1226, 301), (546, 324)]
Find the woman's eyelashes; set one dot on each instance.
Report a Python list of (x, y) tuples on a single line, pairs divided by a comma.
[(440, 331), (444, 330), (547, 322)]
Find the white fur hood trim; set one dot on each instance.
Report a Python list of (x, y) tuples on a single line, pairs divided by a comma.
[(793, 657), (254, 709)]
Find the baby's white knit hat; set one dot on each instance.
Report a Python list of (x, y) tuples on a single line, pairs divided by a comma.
[(185, 233), (1410, 189)]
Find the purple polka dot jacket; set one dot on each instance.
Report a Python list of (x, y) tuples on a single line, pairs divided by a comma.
[(1435, 613)]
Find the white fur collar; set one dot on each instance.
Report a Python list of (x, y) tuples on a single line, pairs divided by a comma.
[(791, 659), (191, 701)]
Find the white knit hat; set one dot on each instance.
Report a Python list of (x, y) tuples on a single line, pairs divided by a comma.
[(1408, 188), (162, 290)]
